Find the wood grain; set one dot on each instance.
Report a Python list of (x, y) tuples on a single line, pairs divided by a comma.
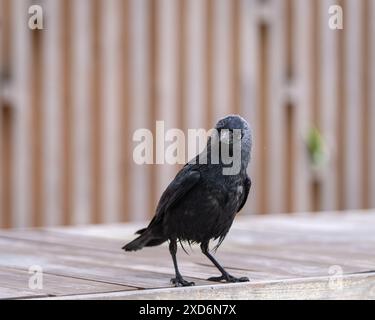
[(353, 287), (285, 256)]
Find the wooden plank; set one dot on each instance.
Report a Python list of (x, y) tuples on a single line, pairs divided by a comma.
[(110, 116), (15, 284), (91, 265), (21, 96), (341, 103), (328, 107), (82, 65), (52, 109), (353, 133), (290, 107), (81, 267), (222, 55), (139, 273), (67, 114), (152, 87), (196, 265), (139, 70), (106, 255), (96, 114), (235, 56), (260, 150), (353, 287), (262, 253), (257, 264), (2, 45), (95, 247), (125, 109), (181, 67), (249, 96), (166, 88), (276, 56), (209, 63), (315, 93), (357, 221), (195, 86), (301, 91), (320, 231), (366, 62), (35, 88), (298, 260), (278, 249), (372, 105)]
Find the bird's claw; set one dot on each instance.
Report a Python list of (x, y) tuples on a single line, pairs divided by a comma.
[(228, 278), (180, 282)]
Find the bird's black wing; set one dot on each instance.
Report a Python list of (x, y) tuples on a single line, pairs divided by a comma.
[(185, 180), (179, 188), (247, 186)]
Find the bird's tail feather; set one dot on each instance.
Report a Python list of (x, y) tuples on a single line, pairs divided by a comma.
[(140, 231), (144, 240), (136, 244)]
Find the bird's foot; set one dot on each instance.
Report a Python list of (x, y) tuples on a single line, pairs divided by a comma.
[(228, 278), (181, 282)]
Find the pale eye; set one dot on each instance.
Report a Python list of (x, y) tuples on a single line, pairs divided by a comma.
[(237, 134)]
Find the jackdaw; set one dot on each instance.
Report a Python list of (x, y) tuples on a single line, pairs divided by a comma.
[(201, 202)]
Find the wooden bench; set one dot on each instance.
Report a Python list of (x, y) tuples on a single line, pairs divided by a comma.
[(299, 256)]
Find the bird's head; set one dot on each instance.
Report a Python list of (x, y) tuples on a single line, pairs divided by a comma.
[(232, 129)]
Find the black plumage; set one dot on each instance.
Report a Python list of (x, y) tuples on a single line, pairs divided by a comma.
[(201, 202)]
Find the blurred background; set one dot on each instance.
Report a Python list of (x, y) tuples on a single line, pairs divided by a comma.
[(72, 94)]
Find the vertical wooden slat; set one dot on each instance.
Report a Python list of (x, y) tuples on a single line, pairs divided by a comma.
[(372, 104), (315, 91), (21, 67), (5, 40), (187, 62), (195, 85), (167, 84), (275, 161), (222, 95), (235, 62), (354, 111), (96, 112), (290, 155), (302, 89), (209, 65), (289, 106), (248, 93), (111, 113), (341, 113), (2, 44), (7, 112), (261, 147), (140, 110), (365, 95), (36, 128), (80, 80), (6, 154), (328, 106), (316, 63), (153, 91), (67, 112), (125, 103), (181, 64), (289, 39), (52, 107)]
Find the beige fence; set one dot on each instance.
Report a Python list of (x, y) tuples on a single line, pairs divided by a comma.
[(73, 93)]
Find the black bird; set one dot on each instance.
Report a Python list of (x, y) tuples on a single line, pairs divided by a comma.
[(202, 201)]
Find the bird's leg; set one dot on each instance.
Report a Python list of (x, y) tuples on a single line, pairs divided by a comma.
[(178, 281), (225, 276)]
